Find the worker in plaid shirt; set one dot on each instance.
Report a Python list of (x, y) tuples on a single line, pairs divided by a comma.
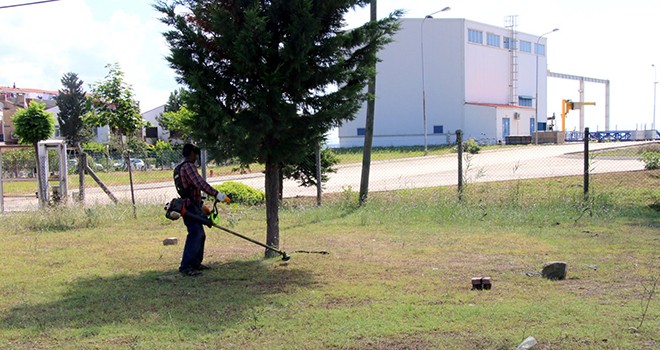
[(193, 184)]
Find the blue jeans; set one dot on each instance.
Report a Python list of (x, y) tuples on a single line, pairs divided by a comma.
[(193, 251)]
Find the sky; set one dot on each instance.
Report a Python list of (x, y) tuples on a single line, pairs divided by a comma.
[(604, 39)]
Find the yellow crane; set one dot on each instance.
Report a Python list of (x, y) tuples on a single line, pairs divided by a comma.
[(568, 105)]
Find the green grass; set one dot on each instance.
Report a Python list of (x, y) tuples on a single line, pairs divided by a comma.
[(629, 152), (398, 275)]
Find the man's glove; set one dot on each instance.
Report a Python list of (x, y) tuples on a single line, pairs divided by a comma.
[(221, 197)]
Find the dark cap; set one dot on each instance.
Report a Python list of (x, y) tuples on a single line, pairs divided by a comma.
[(190, 148)]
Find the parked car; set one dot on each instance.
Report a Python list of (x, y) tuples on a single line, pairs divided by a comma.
[(136, 164)]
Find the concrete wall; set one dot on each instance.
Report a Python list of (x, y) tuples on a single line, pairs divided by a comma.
[(483, 123)]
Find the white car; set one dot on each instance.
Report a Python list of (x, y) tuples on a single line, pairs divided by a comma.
[(136, 164)]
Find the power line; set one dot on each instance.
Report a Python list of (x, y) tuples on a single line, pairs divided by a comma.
[(26, 4)]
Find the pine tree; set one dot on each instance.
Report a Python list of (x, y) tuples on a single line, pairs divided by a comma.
[(269, 78), (71, 101)]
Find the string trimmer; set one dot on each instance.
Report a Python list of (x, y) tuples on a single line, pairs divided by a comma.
[(176, 209)]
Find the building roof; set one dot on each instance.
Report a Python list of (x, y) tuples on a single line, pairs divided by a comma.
[(496, 105), (28, 90)]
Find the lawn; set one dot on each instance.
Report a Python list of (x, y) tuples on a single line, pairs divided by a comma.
[(397, 276)]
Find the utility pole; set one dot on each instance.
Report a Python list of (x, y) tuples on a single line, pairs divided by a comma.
[(369, 127), (655, 87)]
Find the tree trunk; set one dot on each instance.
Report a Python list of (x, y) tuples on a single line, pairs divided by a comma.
[(272, 207)]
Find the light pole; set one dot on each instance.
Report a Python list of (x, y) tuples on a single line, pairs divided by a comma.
[(655, 86), (426, 144), (536, 103)]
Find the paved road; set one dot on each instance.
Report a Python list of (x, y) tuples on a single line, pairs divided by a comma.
[(494, 165)]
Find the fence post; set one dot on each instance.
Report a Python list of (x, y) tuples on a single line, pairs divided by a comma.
[(82, 166), (130, 179), (459, 144), (586, 162), (2, 193), (319, 184), (202, 160)]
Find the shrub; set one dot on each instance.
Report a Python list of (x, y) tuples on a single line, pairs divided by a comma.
[(470, 146), (651, 160), (242, 193)]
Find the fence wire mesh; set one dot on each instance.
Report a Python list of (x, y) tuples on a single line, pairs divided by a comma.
[(527, 169)]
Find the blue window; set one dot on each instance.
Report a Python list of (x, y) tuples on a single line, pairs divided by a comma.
[(539, 49), (475, 36), (438, 129), (525, 101), (543, 126), (361, 131), (509, 43), (525, 46), (493, 40), (531, 125)]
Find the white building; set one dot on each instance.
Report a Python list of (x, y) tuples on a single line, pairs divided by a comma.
[(477, 77), (101, 134), (154, 131)]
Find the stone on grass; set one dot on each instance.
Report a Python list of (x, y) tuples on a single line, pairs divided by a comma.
[(555, 270), (170, 241), (527, 344)]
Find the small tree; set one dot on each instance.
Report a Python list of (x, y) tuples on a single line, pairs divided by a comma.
[(112, 103), (177, 122), (34, 124), (71, 101)]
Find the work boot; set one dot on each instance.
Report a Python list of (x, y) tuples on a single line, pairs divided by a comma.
[(202, 267), (190, 272)]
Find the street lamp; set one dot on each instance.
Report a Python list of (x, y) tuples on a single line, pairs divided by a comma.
[(426, 147), (536, 103), (655, 86)]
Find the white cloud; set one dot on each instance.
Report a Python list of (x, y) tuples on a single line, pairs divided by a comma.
[(42, 42)]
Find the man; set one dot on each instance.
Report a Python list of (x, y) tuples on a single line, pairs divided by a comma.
[(189, 185)]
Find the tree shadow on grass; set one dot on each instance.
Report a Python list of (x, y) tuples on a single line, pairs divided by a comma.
[(228, 294)]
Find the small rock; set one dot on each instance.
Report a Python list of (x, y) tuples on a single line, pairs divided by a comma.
[(170, 241), (555, 270), (527, 344)]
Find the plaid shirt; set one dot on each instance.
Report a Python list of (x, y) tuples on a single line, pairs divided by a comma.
[(193, 181)]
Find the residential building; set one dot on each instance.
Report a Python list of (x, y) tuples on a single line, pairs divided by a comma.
[(476, 77), (12, 99)]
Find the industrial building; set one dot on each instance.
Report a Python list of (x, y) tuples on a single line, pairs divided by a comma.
[(441, 75)]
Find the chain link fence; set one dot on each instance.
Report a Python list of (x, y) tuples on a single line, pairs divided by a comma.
[(392, 168)]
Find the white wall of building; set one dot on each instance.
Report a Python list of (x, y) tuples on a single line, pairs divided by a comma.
[(151, 115), (483, 121), (456, 72), (101, 134)]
